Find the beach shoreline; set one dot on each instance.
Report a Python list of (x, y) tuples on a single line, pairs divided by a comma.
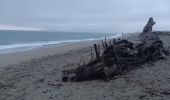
[(17, 57), (37, 75), (47, 50)]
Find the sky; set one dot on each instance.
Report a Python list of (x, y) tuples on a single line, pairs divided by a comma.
[(84, 15)]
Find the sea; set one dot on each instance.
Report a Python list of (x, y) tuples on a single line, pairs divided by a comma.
[(17, 41)]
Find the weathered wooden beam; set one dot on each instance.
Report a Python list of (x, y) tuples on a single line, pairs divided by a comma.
[(97, 52)]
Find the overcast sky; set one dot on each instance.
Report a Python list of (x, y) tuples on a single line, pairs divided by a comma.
[(84, 15)]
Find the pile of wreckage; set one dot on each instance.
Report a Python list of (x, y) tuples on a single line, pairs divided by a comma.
[(119, 56)]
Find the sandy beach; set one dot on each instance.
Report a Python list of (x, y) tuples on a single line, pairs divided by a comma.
[(36, 75)]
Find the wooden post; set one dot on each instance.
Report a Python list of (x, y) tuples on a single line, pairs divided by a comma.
[(96, 51), (106, 44), (114, 41), (122, 36), (110, 43), (91, 54), (103, 45)]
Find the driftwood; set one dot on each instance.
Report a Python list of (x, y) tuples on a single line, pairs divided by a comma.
[(118, 56), (149, 25)]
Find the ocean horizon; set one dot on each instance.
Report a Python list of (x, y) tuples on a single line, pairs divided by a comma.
[(17, 41)]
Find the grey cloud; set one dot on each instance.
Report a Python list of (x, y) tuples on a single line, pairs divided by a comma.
[(85, 15)]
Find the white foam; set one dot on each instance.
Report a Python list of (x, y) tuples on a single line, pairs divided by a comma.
[(6, 49)]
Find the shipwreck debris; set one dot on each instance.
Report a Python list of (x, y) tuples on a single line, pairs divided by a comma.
[(119, 56)]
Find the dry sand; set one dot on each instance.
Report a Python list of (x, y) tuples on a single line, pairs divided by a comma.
[(36, 75)]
